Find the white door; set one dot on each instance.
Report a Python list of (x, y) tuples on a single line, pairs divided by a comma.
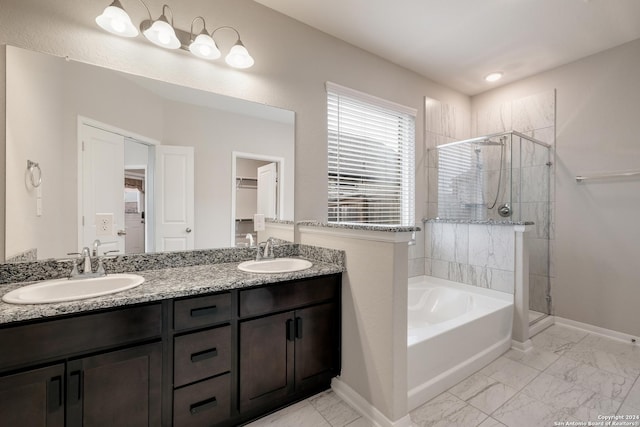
[(174, 221), (268, 190), (102, 190)]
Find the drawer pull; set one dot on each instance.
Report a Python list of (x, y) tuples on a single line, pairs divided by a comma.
[(203, 406), (290, 330), (204, 355), (298, 327), (75, 387), (55, 393), (204, 311)]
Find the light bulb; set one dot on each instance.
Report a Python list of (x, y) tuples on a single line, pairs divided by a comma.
[(162, 34), (239, 57), (204, 47), (115, 20)]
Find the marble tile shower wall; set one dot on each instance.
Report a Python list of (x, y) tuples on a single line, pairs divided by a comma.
[(443, 123), (475, 254), (533, 116)]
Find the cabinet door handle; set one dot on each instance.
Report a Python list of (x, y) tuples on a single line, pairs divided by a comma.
[(75, 386), (204, 355), (203, 405), (203, 311), (54, 393), (298, 327), (290, 331)]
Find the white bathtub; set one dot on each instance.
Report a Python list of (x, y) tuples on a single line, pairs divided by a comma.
[(453, 330)]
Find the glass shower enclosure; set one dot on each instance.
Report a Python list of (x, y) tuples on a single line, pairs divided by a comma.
[(502, 177)]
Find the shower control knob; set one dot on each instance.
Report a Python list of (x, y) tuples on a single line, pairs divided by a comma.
[(504, 210)]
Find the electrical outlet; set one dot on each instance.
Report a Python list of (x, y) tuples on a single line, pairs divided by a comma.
[(104, 224)]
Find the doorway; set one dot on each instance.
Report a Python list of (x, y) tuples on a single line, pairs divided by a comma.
[(135, 195), (256, 189)]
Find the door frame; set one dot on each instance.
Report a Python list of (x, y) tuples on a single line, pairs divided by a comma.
[(82, 121), (235, 155)]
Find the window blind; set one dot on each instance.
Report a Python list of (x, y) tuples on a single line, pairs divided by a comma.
[(371, 159)]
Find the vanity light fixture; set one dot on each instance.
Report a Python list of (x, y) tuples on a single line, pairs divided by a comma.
[(163, 33), (238, 56), (203, 46), (494, 77), (115, 20)]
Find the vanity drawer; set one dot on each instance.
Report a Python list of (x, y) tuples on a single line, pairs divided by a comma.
[(51, 339), (203, 404), (286, 296), (201, 354), (202, 311)]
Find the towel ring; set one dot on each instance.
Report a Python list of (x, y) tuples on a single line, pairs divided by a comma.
[(31, 167)]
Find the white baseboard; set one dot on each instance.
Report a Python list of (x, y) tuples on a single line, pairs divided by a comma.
[(523, 347), (364, 408), (609, 333), (541, 325)]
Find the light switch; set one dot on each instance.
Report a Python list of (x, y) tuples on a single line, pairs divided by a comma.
[(258, 222)]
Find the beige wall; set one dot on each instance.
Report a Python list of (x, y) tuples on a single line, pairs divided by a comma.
[(596, 225), (293, 62)]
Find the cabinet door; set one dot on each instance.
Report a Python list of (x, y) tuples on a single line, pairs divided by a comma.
[(33, 398), (317, 345), (266, 360), (120, 388)]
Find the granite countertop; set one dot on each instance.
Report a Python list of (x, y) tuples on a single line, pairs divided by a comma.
[(476, 221), (162, 284), (364, 227)]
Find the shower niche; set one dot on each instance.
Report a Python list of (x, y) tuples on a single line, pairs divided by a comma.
[(504, 177)]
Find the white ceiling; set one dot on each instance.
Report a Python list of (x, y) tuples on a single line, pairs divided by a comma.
[(458, 42)]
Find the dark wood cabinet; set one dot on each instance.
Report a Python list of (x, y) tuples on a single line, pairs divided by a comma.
[(103, 372), (119, 388), (214, 360), (266, 355), (286, 354), (33, 398)]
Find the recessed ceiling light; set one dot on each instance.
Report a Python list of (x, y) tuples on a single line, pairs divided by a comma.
[(493, 77)]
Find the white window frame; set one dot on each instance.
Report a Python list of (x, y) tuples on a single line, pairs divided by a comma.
[(377, 138)]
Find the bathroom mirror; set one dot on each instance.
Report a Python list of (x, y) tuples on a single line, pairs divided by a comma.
[(56, 107)]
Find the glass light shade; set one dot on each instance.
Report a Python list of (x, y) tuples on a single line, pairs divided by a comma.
[(204, 47), (116, 21), (239, 57), (162, 34)]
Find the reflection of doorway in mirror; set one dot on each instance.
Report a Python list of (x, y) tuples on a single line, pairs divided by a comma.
[(108, 158), (134, 210), (257, 190)]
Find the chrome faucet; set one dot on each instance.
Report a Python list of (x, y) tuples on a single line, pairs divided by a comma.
[(267, 252), (96, 243), (85, 256)]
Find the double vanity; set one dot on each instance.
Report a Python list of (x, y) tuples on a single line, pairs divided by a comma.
[(198, 345)]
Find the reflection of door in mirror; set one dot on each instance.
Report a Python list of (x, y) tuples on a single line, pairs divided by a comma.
[(102, 181), (256, 191), (135, 197)]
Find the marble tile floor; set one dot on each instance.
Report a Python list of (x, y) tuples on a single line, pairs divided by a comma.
[(570, 375)]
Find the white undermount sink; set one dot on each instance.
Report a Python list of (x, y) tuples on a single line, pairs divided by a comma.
[(60, 290), (276, 265)]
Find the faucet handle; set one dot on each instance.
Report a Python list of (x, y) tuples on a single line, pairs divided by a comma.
[(74, 268)]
